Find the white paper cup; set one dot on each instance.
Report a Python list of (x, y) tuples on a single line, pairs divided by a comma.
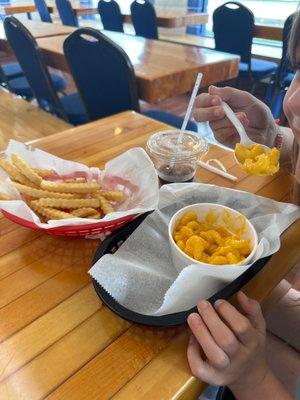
[(182, 260)]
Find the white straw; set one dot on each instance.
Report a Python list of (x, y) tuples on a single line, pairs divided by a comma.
[(190, 107), (217, 171), (187, 116)]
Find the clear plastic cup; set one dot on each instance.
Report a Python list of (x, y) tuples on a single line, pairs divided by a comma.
[(176, 163)]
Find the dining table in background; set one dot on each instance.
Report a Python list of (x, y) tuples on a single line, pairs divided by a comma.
[(165, 18), (162, 69), (38, 29), (57, 339)]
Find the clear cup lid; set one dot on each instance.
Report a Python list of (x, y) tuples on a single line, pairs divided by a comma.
[(164, 144)]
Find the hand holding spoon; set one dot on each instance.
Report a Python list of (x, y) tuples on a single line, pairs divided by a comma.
[(244, 139)]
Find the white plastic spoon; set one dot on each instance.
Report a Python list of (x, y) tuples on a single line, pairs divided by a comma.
[(244, 139)]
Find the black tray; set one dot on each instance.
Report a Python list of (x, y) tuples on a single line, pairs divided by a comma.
[(115, 240)]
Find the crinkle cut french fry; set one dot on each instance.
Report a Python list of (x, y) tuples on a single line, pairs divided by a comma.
[(40, 193), (4, 197), (25, 169), (43, 173), (86, 212), (80, 187), (75, 180), (68, 203), (112, 195), (48, 212), (14, 173), (105, 206)]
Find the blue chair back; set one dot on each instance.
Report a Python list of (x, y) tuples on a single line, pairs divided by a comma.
[(66, 13), (111, 16), (42, 8), (233, 26), (30, 59), (103, 73), (144, 19)]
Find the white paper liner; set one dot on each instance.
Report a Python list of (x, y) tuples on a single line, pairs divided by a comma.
[(141, 276), (132, 171)]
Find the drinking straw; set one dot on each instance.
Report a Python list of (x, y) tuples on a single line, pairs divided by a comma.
[(187, 116)]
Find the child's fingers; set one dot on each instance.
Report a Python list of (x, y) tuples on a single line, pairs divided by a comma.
[(199, 367), (207, 100), (213, 113), (215, 355), (222, 335), (239, 324), (253, 311)]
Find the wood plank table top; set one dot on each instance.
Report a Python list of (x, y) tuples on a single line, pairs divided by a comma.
[(21, 8), (175, 18), (268, 32), (165, 19), (38, 29), (25, 122), (57, 341), (162, 69)]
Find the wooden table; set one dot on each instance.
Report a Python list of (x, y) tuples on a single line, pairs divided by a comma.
[(21, 9), (268, 32), (165, 19), (57, 341), (38, 30), (25, 122), (162, 69), (175, 18)]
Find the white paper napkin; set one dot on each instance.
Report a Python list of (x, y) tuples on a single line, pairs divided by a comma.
[(141, 276), (134, 167)]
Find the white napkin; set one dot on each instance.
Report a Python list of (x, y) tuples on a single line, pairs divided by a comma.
[(141, 276), (137, 176)]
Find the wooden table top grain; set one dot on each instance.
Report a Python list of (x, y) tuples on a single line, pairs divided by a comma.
[(175, 18), (165, 18), (57, 341), (25, 122), (38, 30), (163, 69)]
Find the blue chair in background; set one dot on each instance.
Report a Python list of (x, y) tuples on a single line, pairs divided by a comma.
[(11, 71), (144, 19), (66, 13), (110, 15), (42, 8), (18, 85), (233, 26), (42, 84), (199, 6), (105, 76)]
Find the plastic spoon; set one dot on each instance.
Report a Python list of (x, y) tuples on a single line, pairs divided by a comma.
[(244, 139)]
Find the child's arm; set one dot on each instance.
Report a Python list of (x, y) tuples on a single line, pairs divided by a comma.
[(228, 348)]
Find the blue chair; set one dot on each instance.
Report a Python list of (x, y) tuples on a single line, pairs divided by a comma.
[(41, 82), (105, 76), (144, 19), (233, 26), (12, 70), (42, 8), (66, 13), (19, 85), (110, 15)]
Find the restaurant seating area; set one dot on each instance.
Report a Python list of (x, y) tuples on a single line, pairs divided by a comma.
[(89, 92)]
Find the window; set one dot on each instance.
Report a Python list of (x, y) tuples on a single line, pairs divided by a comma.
[(266, 12)]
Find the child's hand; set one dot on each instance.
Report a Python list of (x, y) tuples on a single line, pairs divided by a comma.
[(227, 347)]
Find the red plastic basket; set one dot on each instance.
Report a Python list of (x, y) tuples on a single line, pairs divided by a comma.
[(101, 227)]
